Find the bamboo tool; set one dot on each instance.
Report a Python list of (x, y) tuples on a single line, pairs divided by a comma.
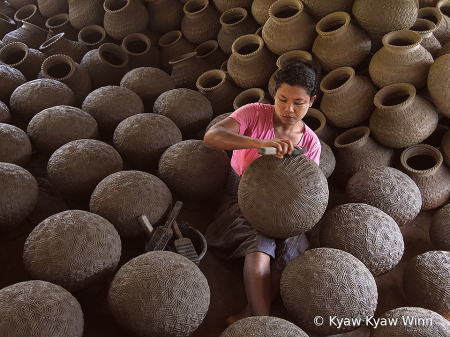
[(163, 234), (143, 220), (184, 246), (273, 150)]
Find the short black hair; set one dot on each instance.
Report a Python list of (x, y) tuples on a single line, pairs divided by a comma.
[(299, 73)]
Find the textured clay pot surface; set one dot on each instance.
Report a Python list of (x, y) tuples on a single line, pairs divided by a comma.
[(60, 23), (437, 83), (321, 8), (124, 17), (141, 52), (15, 146), (11, 79), (201, 21), (263, 326), (33, 36), (58, 44), (19, 56), (439, 229), (83, 13)]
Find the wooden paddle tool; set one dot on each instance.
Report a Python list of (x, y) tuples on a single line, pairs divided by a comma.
[(273, 150), (184, 246)]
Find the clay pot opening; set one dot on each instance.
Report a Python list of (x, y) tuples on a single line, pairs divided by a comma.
[(58, 67), (114, 6), (91, 35), (421, 159), (7, 19), (182, 57), (206, 48), (51, 41), (284, 10), (25, 12), (247, 45), (431, 14), (353, 137), (336, 79), (423, 26), (402, 39), (398, 95), (444, 7), (57, 21), (252, 95), (210, 80), (315, 119), (113, 55), (233, 16), (293, 55), (332, 23), (194, 7), (136, 44), (14, 53), (170, 38)]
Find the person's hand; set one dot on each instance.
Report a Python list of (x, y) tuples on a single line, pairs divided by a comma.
[(283, 146)]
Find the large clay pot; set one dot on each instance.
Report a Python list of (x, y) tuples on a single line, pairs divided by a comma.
[(402, 59), (383, 16), (186, 69), (263, 326), (173, 44), (31, 14), (438, 82), (49, 8), (235, 23), (11, 79), (33, 36), (15, 146), (141, 52), (250, 64), (19, 56), (260, 10), (124, 17), (93, 36), (322, 8), (201, 21), (317, 122), (210, 52), (348, 98), (394, 120), (286, 19), (225, 5), (83, 13), (60, 23), (426, 28), (424, 164), (6, 25), (340, 42), (252, 95), (58, 44), (357, 150), (164, 15), (433, 14)]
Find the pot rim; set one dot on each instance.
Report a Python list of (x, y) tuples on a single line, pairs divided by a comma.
[(433, 11), (364, 131), (210, 43), (286, 3), (24, 9), (117, 50), (251, 38), (52, 60), (393, 90), (109, 11), (333, 18), (211, 74), (55, 17), (174, 33), (315, 113), (258, 92), (51, 41), (337, 73), (237, 10), (421, 149), (136, 37), (292, 56), (431, 26), (203, 3), (15, 46), (409, 35), (182, 57), (91, 29)]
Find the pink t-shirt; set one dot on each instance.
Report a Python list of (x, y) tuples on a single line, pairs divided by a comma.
[(256, 120)]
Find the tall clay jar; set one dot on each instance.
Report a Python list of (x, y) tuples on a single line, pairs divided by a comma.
[(424, 164), (140, 51), (58, 44), (289, 27), (30, 13), (347, 98), (426, 28), (438, 83), (186, 69), (401, 117), (164, 15), (402, 59), (201, 21), (83, 13), (356, 150), (433, 14), (252, 95), (93, 36), (19, 56), (340, 43), (172, 45), (60, 23), (210, 52), (235, 23), (250, 64), (33, 36)]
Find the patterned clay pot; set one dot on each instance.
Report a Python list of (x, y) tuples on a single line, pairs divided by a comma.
[(322, 8), (164, 15), (141, 52), (93, 36), (83, 13), (11, 79), (286, 18), (433, 14), (6, 25), (5, 114), (263, 326), (317, 122), (173, 44), (31, 14), (225, 5), (251, 64), (49, 8), (402, 59), (33, 36), (260, 10), (426, 28), (19, 56), (60, 23), (327, 160), (186, 69), (252, 95), (15, 145), (394, 120), (439, 229), (438, 83), (201, 21), (340, 42), (348, 98), (424, 164), (124, 17), (235, 23), (58, 44), (210, 52)]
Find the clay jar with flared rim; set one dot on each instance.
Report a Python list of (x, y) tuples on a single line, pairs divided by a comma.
[(63, 68), (164, 15), (6, 25), (426, 28), (49, 8), (33, 36), (340, 42), (186, 69), (235, 23), (106, 65), (252, 95), (140, 51), (356, 150), (347, 98), (442, 33), (401, 117), (317, 122), (251, 64), (424, 164), (438, 83), (93, 36), (383, 16), (84, 13), (213, 84), (210, 52), (225, 5), (281, 31), (260, 10), (173, 44), (321, 8), (443, 6), (19, 56), (201, 21), (124, 17), (11, 79), (58, 44), (30, 13), (60, 23), (402, 59)]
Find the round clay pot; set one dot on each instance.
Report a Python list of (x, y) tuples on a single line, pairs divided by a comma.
[(190, 118), (388, 189), (426, 28), (193, 183), (322, 8), (75, 249), (443, 6), (343, 94), (11, 79), (34, 96), (327, 162), (77, 167), (124, 17), (141, 52), (217, 120), (426, 281), (19, 56), (394, 120), (286, 179), (201, 21), (110, 105), (33, 36), (260, 10), (59, 23), (356, 297), (317, 122), (83, 13), (433, 14), (93, 36), (18, 197), (5, 115), (402, 59), (263, 326), (15, 146), (357, 150), (106, 65), (62, 68), (438, 81), (173, 44), (340, 43), (445, 147), (210, 52), (138, 301), (383, 16), (252, 95), (235, 23), (142, 139), (366, 232), (58, 44), (6, 25), (123, 197), (286, 18), (250, 64), (30, 13), (444, 50), (164, 15), (424, 164), (439, 229), (53, 127), (49, 8), (214, 85), (63, 316), (186, 69)]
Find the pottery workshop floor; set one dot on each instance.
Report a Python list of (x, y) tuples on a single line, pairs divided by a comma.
[(224, 277)]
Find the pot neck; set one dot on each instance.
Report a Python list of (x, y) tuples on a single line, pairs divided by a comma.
[(353, 138), (421, 160), (395, 96), (333, 24)]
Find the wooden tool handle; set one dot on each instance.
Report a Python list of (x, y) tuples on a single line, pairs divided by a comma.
[(173, 214), (273, 150), (143, 220), (176, 230)]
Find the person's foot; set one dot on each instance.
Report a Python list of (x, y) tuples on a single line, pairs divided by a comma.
[(243, 314)]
